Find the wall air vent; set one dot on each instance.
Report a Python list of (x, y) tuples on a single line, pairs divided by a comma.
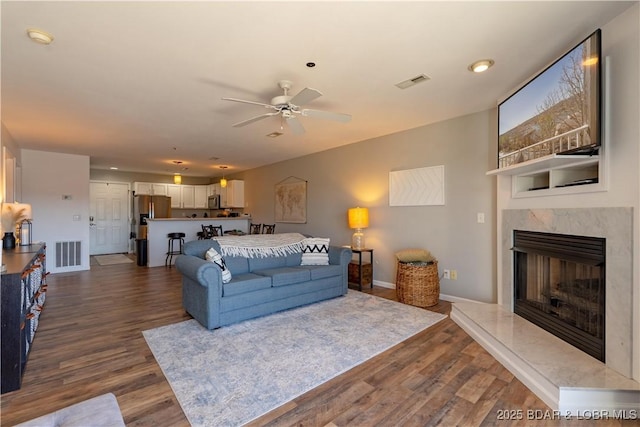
[(68, 254), (413, 81)]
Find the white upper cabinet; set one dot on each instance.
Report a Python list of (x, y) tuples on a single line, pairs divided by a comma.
[(159, 189), (188, 196), (143, 187), (182, 196), (201, 194), (232, 196), (175, 192)]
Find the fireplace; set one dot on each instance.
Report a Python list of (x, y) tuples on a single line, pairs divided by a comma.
[(559, 285)]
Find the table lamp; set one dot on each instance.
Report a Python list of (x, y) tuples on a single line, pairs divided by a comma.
[(358, 219)]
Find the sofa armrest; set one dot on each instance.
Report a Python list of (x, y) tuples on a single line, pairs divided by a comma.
[(199, 270), (339, 255)]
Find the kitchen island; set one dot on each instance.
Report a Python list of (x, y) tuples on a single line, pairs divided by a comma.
[(158, 228)]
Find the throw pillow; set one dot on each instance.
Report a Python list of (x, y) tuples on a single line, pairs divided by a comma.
[(213, 256), (315, 251)]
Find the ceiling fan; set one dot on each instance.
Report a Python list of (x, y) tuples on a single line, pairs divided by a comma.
[(289, 107)]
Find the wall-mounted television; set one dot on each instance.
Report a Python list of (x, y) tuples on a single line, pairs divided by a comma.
[(556, 112)]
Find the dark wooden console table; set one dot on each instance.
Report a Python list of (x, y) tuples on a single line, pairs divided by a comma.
[(23, 293)]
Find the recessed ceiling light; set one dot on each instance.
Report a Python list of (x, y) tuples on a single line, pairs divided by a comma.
[(311, 64), (274, 134), (39, 36), (482, 65)]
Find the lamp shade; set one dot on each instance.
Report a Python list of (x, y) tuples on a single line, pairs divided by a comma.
[(177, 179), (358, 217)]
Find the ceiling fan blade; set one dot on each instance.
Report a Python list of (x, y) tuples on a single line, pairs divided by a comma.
[(305, 96), (327, 115), (295, 125), (254, 119), (249, 102)]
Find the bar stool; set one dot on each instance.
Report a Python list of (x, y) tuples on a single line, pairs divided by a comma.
[(171, 250)]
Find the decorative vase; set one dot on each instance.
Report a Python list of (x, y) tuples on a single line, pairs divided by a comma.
[(9, 240)]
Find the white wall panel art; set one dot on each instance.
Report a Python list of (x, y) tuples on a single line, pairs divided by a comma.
[(417, 187)]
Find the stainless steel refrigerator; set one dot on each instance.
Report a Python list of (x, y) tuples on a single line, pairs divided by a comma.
[(149, 207)]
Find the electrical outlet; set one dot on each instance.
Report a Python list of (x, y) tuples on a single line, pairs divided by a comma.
[(446, 274), (453, 274)]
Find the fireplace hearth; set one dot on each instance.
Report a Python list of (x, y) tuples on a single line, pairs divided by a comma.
[(559, 285)]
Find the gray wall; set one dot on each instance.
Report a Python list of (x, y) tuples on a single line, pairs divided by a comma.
[(358, 175)]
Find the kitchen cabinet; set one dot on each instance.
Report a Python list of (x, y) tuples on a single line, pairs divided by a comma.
[(175, 192), (23, 294), (150, 188), (201, 196), (159, 189), (214, 189), (142, 188), (188, 196), (232, 196), (182, 196)]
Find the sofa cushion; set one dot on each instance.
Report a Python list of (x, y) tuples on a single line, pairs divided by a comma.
[(315, 251), (285, 275), (213, 256), (322, 271), (237, 264), (264, 263), (294, 259), (245, 282)]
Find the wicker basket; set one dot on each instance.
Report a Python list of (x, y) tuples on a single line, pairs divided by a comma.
[(418, 283)]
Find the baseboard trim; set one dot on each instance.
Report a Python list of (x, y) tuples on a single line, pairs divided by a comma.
[(452, 298), (384, 284)]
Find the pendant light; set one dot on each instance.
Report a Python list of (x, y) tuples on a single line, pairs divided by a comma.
[(223, 181), (177, 178)]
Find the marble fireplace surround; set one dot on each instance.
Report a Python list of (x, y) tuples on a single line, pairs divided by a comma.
[(616, 226), (564, 377)]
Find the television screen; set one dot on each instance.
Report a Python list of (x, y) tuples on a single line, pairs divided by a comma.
[(556, 112)]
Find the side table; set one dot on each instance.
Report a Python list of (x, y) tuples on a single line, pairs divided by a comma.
[(359, 272)]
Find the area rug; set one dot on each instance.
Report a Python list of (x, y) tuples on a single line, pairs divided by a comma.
[(112, 259), (232, 375)]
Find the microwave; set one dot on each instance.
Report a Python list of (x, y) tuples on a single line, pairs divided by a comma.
[(214, 202)]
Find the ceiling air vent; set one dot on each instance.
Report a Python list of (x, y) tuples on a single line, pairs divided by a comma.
[(413, 81)]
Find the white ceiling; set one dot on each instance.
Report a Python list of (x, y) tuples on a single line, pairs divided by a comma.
[(137, 85)]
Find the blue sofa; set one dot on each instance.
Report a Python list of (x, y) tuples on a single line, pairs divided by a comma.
[(259, 286)]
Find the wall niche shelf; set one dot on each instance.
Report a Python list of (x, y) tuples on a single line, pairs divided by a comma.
[(555, 174)]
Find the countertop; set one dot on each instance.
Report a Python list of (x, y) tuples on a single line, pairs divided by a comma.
[(211, 218), (16, 259)]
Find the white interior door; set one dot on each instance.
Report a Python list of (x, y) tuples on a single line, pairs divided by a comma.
[(108, 218)]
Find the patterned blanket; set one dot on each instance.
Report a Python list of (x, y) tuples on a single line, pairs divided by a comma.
[(261, 245)]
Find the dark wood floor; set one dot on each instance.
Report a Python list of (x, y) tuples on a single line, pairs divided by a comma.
[(89, 342)]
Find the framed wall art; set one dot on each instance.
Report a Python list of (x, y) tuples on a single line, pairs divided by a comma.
[(291, 200)]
